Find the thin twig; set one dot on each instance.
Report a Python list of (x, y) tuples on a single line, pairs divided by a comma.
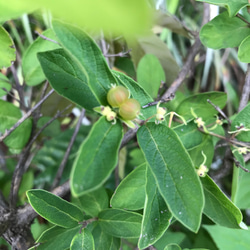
[(66, 156), (220, 111), (246, 90), (20, 167), (10, 94), (46, 38), (27, 115), (243, 19), (120, 54), (194, 50), (162, 100), (238, 165)]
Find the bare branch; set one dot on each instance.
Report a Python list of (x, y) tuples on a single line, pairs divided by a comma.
[(27, 115), (46, 38), (66, 156), (120, 54), (220, 111), (245, 91), (20, 167)]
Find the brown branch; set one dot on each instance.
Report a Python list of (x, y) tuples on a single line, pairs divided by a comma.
[(120, 54), (194, 50), (66, 156), (20, 167), (220, 111), (27, 115), (246, 90), (46, 38)]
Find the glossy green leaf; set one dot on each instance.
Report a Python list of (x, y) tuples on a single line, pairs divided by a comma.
[(130, 17), (9, 115), (97, 157), (104, 241), (150, 43), (83, 241), (67, 78), (57, 238), (54, 209), (233, 6), (88, 56), (217, 33), (174, 173), (150, 74), (7, 49), (137, 92), (156, 215), (241, 196), (189, 135), (243, 52), (199, 103), (218, 207), (228, 238), (94, 202), (134, 185), (120, 223), (32, 70), (4, 85), (242, 119)]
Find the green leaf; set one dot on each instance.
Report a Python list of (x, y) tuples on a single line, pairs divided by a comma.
[(233, 6), (150, 74), (7, 49), (4, 83), (129, 18), (218, 207), (137, 92), (189, 135), (54, 209), (93, 202), (120, 223), (150, 43), (228, 238), (67, 78), (242, 192), (104, 241), (85, 52), (207, 148), (130, 194), (242, 118), (174, 173), (9, 115), (170, 237), (97, 157), (57, 238), (172, 246), (243, 52), (32, 70), (83, 241), (156, 215), (200, 105), (217, 33)]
